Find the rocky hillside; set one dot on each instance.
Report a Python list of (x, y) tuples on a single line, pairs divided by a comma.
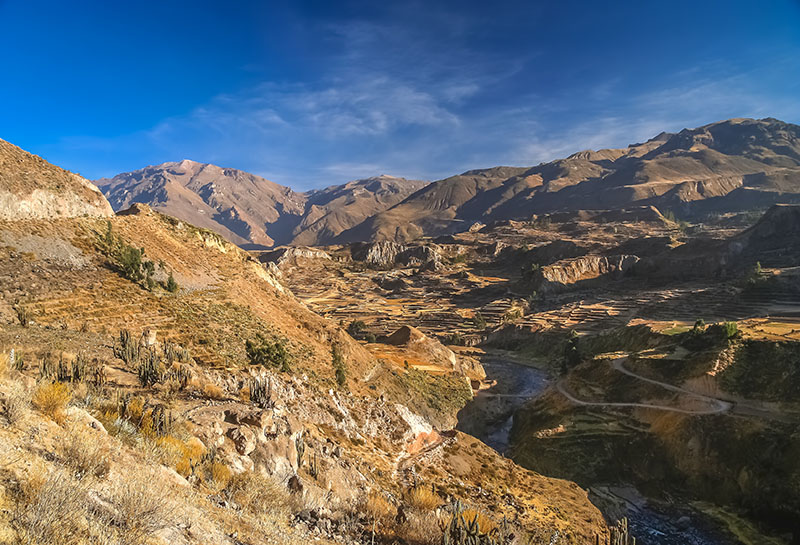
[(138, 347), (252, 211), (730, 165), (30, 187)]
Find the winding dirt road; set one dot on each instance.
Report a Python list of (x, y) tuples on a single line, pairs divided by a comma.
[(716, 405)]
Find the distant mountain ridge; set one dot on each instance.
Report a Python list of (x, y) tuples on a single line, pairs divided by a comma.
[(250, 210), (736, 164)]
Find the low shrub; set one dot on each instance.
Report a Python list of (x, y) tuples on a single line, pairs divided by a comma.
[(257, 494), (51, 510), (23, 315), (142, 507), (269, 352), (52, 399), (14, 403), (85, 455)]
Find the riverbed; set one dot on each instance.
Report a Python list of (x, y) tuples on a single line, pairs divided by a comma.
[(490, 415)]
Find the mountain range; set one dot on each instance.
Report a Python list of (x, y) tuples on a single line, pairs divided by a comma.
[(250, 210), (726, 166)]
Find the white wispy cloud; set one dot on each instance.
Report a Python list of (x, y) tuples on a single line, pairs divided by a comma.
[(419, 110)]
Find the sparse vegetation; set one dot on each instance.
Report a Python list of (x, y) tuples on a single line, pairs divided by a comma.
[(440, 392), (455, 339), (478, 321), (756, 276), (269, 352), (339, 365), (23, 315), (128, 260)]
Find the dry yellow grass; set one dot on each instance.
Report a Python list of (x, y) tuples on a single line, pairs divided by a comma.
[(52, 399), (378, 508), (485, 522), (257, 494), (212, 391), (183, 456), (216, 475), (422, 498)]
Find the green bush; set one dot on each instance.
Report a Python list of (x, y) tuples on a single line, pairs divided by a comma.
[(479, 321), (172, 285), (268, 352), (356, 327), (129, 261), (731, 330)]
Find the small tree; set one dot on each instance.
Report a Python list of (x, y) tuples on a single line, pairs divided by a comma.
[(339, 365), (129, 260), (356, 327), (172, 285), (572, 354)]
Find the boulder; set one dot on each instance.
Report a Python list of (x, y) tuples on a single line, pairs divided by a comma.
[(76, 414), (243, 439)]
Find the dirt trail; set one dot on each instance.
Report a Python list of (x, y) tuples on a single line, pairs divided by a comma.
[(717, 405)]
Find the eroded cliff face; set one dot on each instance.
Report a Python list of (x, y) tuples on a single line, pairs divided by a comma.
[(386, 254), (571, 273)]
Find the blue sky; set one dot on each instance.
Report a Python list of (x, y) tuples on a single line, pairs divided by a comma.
[(314, 93)]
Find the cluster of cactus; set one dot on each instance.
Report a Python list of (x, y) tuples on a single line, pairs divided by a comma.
[(179, 374), (127, 349), (149, 369), (173, 352), (460, 530), (300, 446), (261, 392), (97, 376), (162, 421), (619, 535), (15, 360), (313, 468), (47, 366), (63, 369)]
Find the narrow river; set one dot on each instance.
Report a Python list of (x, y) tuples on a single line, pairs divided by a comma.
[(489, 417), (490, 414)]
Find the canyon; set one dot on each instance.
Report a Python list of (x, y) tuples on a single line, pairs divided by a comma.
[(599, 346)]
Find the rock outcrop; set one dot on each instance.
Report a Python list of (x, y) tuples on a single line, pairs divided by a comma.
[(290, 255), (386, 254), (32, 188), (569, 273), (434, 352)]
